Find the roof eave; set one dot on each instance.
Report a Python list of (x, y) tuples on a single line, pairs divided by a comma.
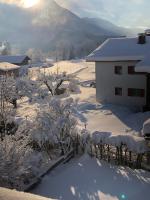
[(114, 59)]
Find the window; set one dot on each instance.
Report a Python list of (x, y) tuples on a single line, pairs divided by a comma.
[(118, 70), (131, 70), (132, 92), (118, 91)]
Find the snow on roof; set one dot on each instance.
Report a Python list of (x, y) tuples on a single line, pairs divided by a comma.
[(120, 49), (144, 65), (4, 66), (13, 59)]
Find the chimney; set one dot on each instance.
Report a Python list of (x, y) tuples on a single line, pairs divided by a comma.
[(141, 38)]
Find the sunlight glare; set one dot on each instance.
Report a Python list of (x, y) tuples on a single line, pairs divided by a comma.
[(30, 3)]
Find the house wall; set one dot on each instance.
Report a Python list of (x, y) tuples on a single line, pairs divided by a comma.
[(107, 80), (14, 73)]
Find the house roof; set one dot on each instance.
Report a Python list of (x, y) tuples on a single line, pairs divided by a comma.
[(4, 66), (119, 49), (124, 49), (13, 59), (144, 65)]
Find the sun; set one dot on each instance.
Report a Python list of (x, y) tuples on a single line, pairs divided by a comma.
[(30, 3)]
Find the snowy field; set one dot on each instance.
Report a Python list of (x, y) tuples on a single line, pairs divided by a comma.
[(88, 178)]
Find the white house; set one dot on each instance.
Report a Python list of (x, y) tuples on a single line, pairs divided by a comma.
[(123, 71)]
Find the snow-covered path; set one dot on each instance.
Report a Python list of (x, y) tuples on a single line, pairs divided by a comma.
[(87, 178)]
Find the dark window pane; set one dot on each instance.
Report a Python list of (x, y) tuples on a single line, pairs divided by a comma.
[(118, 91), (131, 70), (118, 70), (132, 92)]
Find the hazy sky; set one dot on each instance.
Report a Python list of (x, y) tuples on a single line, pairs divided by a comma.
[(129, 13), (123, 12)]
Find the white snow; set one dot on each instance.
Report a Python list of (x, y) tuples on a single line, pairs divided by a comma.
[(106, 118), (144, 65), (146, 127), (88, 178), (5, 66), (120, 49), (124, 49), (133, 143), (6, 194), (112, 118)]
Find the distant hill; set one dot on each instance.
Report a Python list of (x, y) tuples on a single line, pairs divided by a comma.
[(112, 28), (53, 29)]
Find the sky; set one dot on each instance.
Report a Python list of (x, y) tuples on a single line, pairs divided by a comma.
[(127, 13)]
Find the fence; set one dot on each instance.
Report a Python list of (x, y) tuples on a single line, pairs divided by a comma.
[(126, 150)]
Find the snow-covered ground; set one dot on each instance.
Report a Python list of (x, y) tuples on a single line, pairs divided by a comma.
[(88, 178), (113, 118), (6, 194)]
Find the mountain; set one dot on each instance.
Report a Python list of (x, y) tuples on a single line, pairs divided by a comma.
[(52, 29), (111, 28), (108, 26)]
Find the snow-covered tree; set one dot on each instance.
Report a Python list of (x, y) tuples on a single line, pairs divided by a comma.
[(56, 125), (5, 48), (53, 82), (7, 124), (58, 83), (15, 89)]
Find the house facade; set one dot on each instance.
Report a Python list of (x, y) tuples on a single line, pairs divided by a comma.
[(116, 84), (121, 77)]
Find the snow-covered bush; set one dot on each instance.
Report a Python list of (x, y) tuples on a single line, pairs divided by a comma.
[(100, 137), (73, 86), (122, 146), (11, 161), (7, 122), (26, 87), (133, 143), (55, 125), (146, 128), (19, 163), (8, 90), (14, 89)]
